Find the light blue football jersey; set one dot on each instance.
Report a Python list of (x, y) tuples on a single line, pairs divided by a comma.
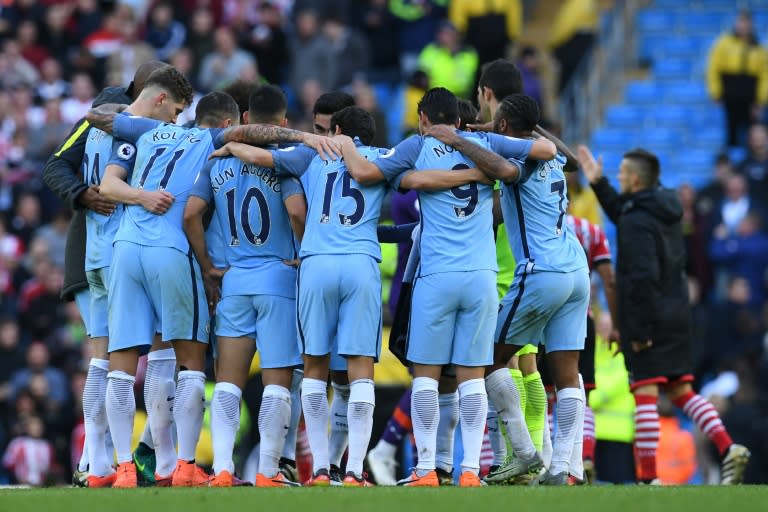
[(168, 157), (456, 224), (255, 229), (342, 215), (101, 229), (214, 240), (534, 211)]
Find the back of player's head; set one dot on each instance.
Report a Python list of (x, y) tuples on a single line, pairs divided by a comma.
[(216, 107), (267, 104), (502, 77), (142, 75), (645, 164), (519, 111), (241, 91), (355, 122), (173, 82), (331, 102), (467, 114), (440, 106)]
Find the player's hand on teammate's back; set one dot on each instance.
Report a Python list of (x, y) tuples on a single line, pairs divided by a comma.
[(592, 169), (292, 263), (157, 202), (92, 200), (443, 133), (223, 151), (328, 148)]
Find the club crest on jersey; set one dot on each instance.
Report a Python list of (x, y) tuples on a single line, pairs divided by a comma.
[(126, 151)]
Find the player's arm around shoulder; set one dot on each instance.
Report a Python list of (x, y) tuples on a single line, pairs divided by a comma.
[(493, 165), (360, 168), (437, 179), (246, 153)]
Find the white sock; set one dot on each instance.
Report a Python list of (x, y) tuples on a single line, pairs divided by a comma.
[(362, 400), (386, 449), (576, 467), (446, 427), (159, 394), (425, 412), (498, 444), (505, 397), (314, 402), (82, 464), (289, 447), (473, 403), (121, 409), (274, 417), (570, 407), (225, 420), (546, 451), (337, 442), (95, 419), (188, 410)]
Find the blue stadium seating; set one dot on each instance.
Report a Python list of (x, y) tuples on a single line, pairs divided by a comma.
[(671, 113), (672, 116), (626, 116), (613, 140), (737, 154), (673, 69), (656, 21), (642, 93)]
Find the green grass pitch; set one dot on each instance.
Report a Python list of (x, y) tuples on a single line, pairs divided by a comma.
[(388, 499)]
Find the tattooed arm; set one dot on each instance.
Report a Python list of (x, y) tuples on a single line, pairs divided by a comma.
[(103, 116), (263, 134), (493, 165)]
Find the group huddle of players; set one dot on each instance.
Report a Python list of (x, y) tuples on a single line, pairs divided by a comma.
[(267, 237)]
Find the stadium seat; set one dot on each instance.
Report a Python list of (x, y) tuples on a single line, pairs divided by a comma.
[(737, 155), (652, 20), (695, 162), (685, 92), (651, 47), (704, 22), (662, 139), (612, 140), (673, 69), (712, 136), (612, 159), (626, 116), (672, 116), (642, 93), (683, 47)]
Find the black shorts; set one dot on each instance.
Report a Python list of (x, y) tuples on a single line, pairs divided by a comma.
[(662, 363), (586, 361)]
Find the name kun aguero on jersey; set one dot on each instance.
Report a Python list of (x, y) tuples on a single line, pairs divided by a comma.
[(268, 176)]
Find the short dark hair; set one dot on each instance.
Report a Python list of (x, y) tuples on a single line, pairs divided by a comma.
[(241, 91), (266, 104), (332, 102), (521, 112), (355, 122), (467, 114), (502, 77), (646, 164), (215, 107), (173, 81), (440, 106)]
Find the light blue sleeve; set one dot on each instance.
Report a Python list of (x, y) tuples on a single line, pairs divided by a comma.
[(202, 186), (399, 159), (290, 187), (293, 160), (217, 137), (509, 147), (130, 128), (123, 155)]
